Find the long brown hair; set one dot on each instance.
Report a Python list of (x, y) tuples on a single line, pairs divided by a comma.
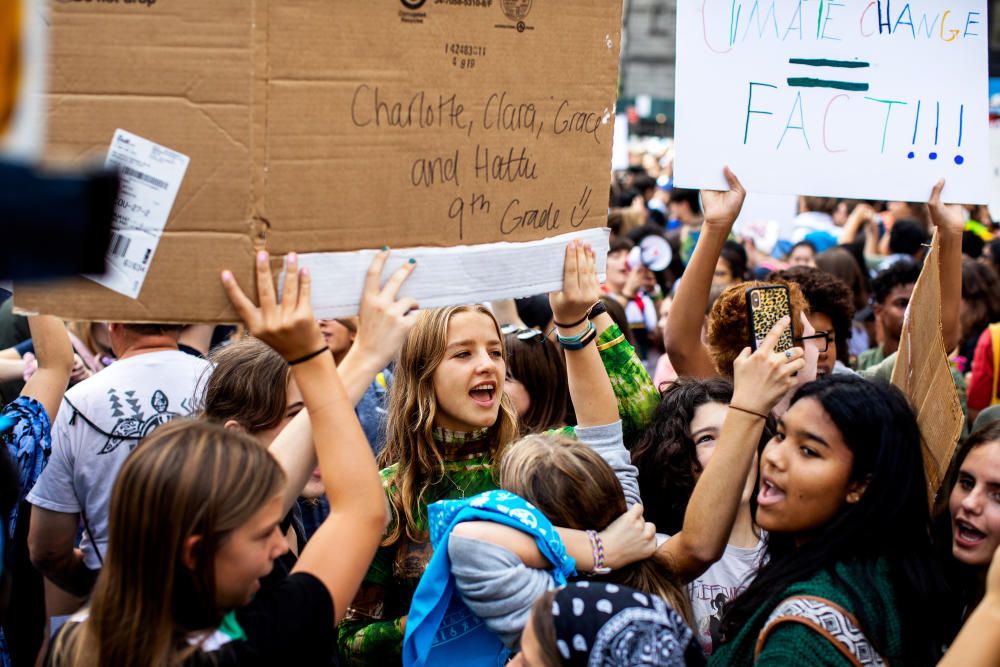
[(410, 442), (575, 488), (249, 384), (537, 364), (188, 478)]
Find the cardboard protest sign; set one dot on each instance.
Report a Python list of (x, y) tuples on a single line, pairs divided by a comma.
[(922, 373), (316, 126), (869, 99)]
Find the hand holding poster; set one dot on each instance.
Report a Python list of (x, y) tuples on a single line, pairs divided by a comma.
[(871, 99)]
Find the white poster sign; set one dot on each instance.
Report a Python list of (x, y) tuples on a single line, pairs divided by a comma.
[(869, 99), (995, 172)]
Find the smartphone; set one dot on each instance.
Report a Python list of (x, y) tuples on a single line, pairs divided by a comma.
[(765, 306)]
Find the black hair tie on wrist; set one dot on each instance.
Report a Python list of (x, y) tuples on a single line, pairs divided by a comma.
[(311, 355), (573, 324), (597, 309)]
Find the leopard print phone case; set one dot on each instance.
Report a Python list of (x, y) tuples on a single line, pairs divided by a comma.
[(765, 306)]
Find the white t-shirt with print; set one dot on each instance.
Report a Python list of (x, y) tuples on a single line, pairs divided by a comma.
[(100, 421), (726, 579)]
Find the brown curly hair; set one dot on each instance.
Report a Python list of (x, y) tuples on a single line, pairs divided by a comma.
[(827, 294), (728, 329)]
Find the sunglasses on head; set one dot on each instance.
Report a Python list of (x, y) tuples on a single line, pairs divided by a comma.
[(522, 334)]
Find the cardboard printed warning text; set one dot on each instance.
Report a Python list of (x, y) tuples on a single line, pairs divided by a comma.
[(319, 126)]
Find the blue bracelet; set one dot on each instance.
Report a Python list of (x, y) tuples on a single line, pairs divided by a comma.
[(578, 343), (576, 339)]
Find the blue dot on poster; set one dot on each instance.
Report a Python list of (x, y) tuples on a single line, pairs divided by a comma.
[(933, 156), (959, 159), (910, 155)]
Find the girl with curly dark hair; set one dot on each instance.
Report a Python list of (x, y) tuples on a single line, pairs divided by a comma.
[(670, 459)]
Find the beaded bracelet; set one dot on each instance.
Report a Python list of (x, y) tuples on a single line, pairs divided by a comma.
[(597, 550)]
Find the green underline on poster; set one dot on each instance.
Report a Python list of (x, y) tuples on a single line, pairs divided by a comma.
[(824, 62), (805, 82)]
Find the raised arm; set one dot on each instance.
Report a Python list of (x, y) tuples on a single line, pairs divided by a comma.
[(635, 392), (949, 220), (54, 354), (761, 380), (383, 325), (683, 331), (357, 505), (589, 386)]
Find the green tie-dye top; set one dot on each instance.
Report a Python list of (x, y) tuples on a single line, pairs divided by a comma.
[(372, 634)]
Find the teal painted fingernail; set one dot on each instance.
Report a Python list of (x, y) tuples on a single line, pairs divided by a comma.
[(413, 261), (384, 248)]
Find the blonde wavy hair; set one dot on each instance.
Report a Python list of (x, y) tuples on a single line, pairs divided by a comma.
[(410, 446)]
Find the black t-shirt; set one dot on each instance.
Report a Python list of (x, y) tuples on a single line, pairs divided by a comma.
[(289, 623)]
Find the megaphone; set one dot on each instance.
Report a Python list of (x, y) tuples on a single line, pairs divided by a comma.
[(653, 252)]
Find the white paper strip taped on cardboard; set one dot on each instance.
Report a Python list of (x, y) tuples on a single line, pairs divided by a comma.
[(860, 99), (449, 276)]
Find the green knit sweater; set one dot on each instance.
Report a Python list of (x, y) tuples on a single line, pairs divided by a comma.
[(874, 607)]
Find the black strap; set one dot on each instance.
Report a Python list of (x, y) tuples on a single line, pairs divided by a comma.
[(77, 413)]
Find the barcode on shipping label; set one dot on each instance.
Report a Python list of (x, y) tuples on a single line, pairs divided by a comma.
[(155, 182), (119, 245)]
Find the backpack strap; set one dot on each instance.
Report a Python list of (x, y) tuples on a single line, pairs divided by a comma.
[(833, 622), (995, 339)]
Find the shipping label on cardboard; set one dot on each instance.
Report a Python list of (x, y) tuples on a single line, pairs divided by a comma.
[(151, 175)]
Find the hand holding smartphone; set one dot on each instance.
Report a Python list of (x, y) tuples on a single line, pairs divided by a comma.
[(765, 306)]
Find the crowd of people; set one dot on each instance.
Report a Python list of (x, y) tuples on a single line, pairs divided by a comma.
[(616, 473)]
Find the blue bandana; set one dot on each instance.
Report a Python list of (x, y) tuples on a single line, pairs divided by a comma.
[(441, 629)]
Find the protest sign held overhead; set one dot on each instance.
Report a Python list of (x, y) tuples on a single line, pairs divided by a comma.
[(854, 98), (315, 126)]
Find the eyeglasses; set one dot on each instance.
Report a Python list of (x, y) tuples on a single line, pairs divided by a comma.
[(522, 334), (822, 336)]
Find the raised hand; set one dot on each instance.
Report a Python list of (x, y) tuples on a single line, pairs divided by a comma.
[(628, 539), (761, 379), (722, 208), (810, 355), (946, 217), (581, 289), (384, 321), (288, 327)]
